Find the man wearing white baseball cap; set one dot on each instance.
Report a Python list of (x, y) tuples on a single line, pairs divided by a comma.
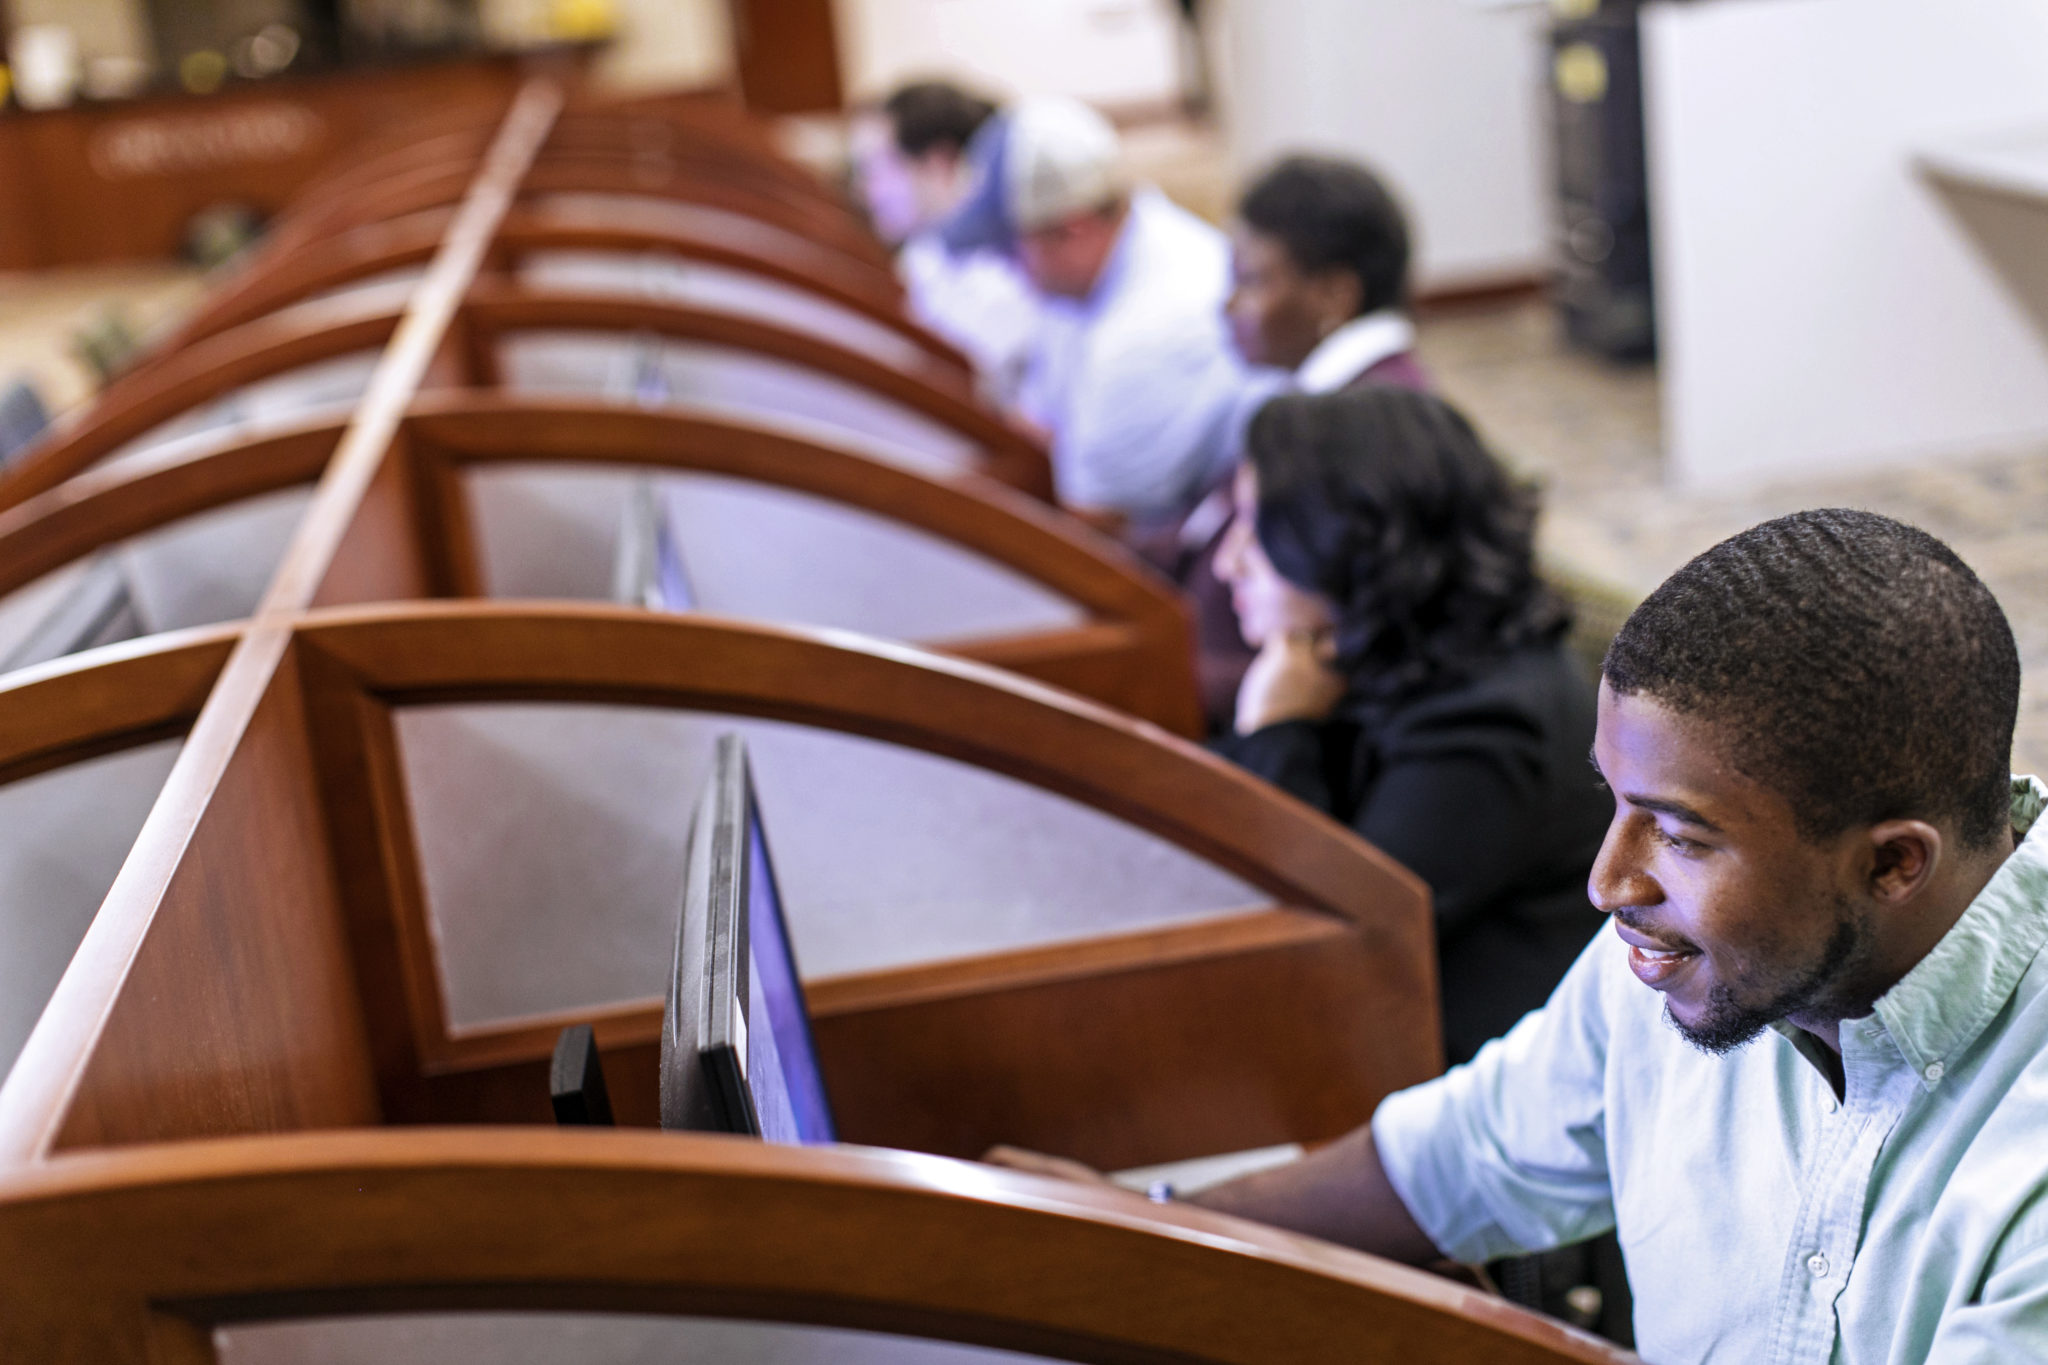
[(1132, 374)]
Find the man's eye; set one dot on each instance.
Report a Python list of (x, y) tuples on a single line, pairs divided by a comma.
[(1679, 843)]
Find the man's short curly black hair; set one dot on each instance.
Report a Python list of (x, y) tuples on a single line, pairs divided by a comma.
[(935, 116), (1860, 668), (1334, 215)]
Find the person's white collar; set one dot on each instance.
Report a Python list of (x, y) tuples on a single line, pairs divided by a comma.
[(1353, 349)]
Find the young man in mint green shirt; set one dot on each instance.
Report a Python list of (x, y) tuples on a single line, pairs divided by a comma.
[(1806, 1077)]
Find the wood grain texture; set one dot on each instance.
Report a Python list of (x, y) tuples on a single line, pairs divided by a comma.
[(109, 698), (412, 190), (1319, 1015), (239, 1011), (77, 1082), (328, 328), (1052, 739), (147, 397), (979, 513), (1216, 1036), (103, 506), (616, 223), (412, 535), (667, 1223), (382, 556), (77, 206), (416, 340)]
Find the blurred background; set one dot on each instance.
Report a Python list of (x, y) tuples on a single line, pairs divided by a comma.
[(1689, 262)]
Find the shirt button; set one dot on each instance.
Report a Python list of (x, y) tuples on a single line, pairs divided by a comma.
[(1934, 1072), (1817, 1265)]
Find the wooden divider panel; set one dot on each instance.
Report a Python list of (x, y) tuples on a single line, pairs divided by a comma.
[(112, 1254), (232, 869)]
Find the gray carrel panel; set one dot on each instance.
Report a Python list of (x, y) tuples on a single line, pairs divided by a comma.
[(212, 566), (718, 289), (754, 551), (551, 842), (579, 1339), (63, 837), (654, 370), (326, 388)]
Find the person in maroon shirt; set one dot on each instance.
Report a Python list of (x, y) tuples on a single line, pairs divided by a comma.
[(1319, 253), (1319, 259)]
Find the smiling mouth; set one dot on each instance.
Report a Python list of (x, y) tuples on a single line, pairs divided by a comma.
[(1655, 964)]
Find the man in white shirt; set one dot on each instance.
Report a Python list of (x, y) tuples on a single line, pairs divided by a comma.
[(910, 165), (1131, 376), (1806, 1078)]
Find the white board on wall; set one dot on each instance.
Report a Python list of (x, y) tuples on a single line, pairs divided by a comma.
[(1446, 98), (1113, 53), (1819, 306)]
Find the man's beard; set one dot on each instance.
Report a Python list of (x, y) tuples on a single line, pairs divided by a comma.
[(1814, 991)]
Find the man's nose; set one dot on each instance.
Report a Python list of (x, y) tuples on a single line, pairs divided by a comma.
[(1619, 879)]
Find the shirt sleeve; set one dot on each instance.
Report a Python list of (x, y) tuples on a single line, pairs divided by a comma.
[(1508, 1153), (2008, 1320), (1153, 413)]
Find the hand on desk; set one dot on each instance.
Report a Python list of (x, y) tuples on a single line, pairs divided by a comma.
[(1338, 1192), (1038, 1163)]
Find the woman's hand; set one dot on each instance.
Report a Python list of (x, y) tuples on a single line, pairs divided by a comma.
[(1291, 679)]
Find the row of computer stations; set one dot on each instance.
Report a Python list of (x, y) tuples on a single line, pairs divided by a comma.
[(736, 1050)]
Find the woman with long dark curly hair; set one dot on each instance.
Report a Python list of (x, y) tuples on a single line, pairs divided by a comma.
[(1412, 679)]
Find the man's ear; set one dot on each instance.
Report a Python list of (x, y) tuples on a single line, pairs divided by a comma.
[(1903, 857)]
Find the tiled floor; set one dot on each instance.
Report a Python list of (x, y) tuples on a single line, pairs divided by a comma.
[(1590, 432), (40, 313)]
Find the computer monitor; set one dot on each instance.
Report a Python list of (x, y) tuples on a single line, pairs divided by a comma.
[(648, 570), (737, 1054)]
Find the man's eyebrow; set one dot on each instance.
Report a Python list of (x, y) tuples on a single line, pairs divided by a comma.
[(1677, 808)]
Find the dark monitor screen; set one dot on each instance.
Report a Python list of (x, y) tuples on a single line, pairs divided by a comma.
[(737, 1054), (782, 1064)]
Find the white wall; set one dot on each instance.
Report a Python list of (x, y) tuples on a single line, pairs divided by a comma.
[(1444, 97), (1818, 305), (1115, 53)]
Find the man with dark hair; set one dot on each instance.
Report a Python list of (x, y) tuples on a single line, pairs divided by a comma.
[(935, 118), (1819, 1132), (911, 168), (1319, 255)]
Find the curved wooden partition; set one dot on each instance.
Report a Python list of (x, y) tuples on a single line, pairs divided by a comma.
[(325, 329), (273, 906), (720, 141), (435, 186), (136, 1256), (1303, 1011), (615, 223), (1130, 652), (222, 1114)]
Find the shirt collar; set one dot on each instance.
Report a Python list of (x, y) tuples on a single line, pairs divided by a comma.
[(1946, 1001), (1353, 349)]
